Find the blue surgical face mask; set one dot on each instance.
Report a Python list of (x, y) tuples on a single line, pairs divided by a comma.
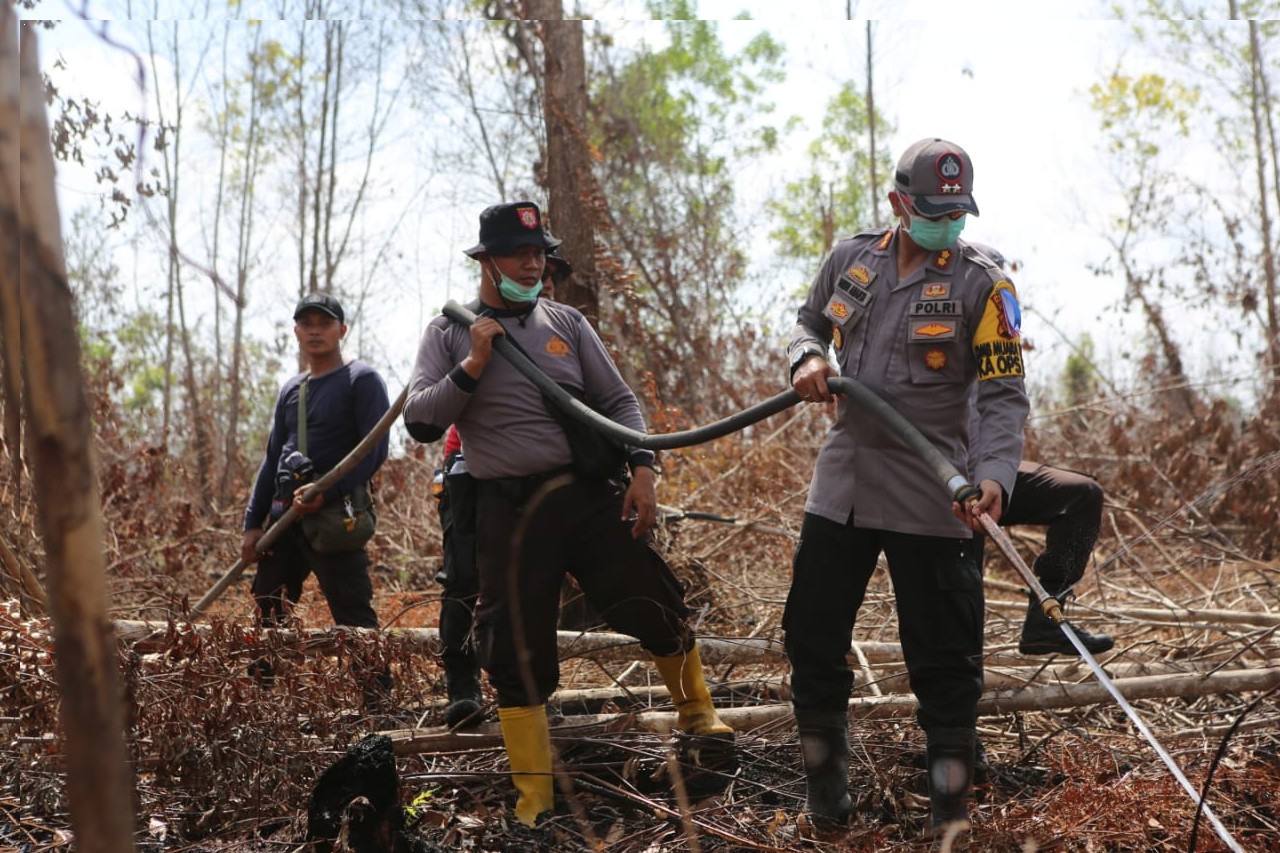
[(514, 291), (935, 234)]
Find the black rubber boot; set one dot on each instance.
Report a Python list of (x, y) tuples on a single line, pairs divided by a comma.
[(465, 699), (950, 755), (824, 747), (1042, 636)]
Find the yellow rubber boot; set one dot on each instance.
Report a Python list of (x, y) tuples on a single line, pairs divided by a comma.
[(695, 715), (527, 737)]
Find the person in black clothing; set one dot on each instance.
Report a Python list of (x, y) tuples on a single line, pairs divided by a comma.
[(456, 504), (1069, 504), (344, 401)]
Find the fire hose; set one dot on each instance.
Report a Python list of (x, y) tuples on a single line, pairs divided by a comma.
[(957, 486)]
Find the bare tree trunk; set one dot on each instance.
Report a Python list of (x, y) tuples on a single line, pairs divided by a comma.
[(196, 417), (244, 257), (570, 185), (99, 784), (1260, 114), (10, 320), (871, 126)]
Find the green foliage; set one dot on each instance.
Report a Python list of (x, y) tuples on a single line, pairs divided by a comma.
[(1079, 376), (833, 197), (676, 126), (1137, 112)]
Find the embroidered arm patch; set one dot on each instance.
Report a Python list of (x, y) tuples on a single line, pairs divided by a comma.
[(997, 344)]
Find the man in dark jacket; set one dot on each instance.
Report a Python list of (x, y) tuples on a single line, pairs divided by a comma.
[(344, 399)]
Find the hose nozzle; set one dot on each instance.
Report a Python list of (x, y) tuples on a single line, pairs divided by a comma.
[(1052, 609)]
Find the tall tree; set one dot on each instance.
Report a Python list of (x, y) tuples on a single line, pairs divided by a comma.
[(572, 191), (170, 134), (836, 196), (680, 123), (1229, 65), (339, 99), (236, 128), (1139, 116)]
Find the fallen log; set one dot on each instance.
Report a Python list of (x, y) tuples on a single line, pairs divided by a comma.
[(993, 702), (1003, 666)]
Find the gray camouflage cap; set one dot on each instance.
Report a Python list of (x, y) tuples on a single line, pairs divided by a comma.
[(938, 175)]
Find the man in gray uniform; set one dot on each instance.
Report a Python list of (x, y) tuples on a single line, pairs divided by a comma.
[(539, 511), (918, 317)]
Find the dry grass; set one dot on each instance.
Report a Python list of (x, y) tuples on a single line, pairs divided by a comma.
[(223, 765)]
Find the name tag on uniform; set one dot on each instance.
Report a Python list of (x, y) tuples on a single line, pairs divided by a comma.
[(935, 308), (841, 308), (856, 282)]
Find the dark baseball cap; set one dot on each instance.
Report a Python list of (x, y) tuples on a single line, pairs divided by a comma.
[(506, 227), (322, 302), (938, 175)]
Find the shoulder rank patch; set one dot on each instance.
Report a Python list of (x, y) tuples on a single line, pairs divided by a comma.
[(884, 241), (943, 260), (557, 346), (837, 337), (997, 344)]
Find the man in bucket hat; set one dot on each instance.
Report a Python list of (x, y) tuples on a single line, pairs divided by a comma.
[(919, 318), (455, 489), (540, 510)]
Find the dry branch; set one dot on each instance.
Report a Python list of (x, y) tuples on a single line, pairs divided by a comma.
[(414, 741), (32, 592)]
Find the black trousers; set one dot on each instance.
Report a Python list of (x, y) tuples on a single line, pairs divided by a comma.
[(1070, 504), (937, 587), (531, 532), (344, 580), (459, 577)]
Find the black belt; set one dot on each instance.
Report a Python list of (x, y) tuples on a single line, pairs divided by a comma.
[(520, 489)]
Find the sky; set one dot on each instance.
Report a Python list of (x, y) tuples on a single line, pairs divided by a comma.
[(1004, 80)]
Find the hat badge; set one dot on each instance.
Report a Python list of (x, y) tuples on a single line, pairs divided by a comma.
[(528, 217), (949, 167)]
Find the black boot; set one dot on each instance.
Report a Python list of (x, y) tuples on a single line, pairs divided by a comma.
[(1042, 636), (950, 756), (465, 699), (824, 746)]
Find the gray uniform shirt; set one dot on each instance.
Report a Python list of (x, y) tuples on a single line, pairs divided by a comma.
[(921, 344), (504, 425)]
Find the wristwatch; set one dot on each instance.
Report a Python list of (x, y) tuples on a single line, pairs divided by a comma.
[(801, 355)]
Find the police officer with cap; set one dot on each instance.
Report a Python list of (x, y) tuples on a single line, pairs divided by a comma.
[(919, 318), (539, 513)]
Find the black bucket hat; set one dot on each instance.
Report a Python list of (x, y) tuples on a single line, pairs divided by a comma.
[(506, 227)]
